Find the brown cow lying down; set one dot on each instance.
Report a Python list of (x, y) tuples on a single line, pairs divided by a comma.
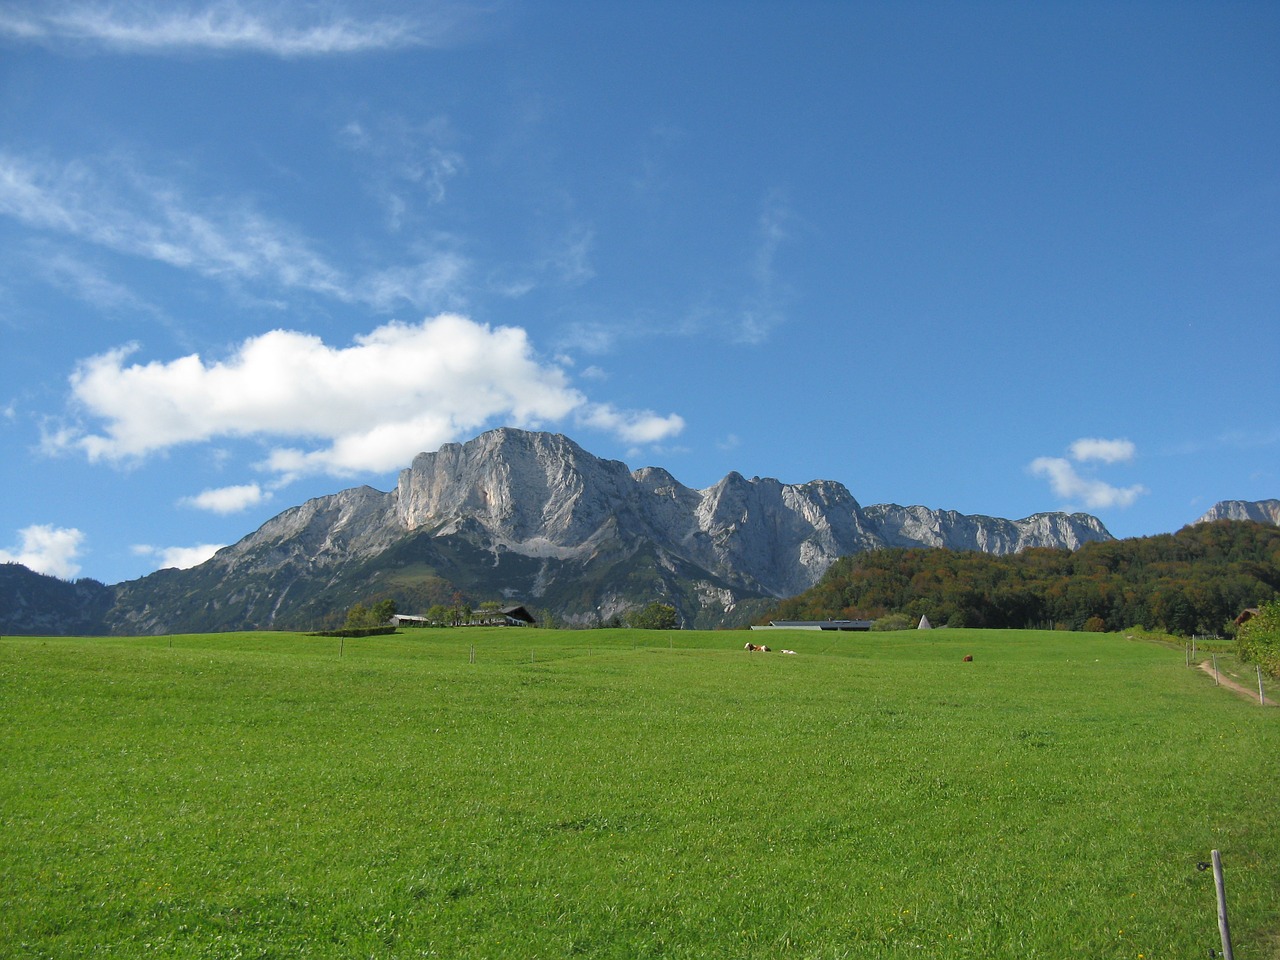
[(968, 658), (752, 647)]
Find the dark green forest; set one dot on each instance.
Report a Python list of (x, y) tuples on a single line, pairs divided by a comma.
[(1194, 581)]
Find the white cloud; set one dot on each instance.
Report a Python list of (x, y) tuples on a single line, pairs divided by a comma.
[(119, 208), (47, 549), (1108, 451), (399, 390), (282, 30), (1070, 484), (227, 499), (179, 558), (633, 426), (1092, 493)]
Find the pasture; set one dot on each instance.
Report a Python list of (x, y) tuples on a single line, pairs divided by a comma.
[(624, 794)]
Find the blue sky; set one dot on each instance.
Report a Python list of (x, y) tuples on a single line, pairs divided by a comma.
[(1000, 258)]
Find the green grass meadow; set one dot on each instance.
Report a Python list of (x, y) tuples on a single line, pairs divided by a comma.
[(623, 794)]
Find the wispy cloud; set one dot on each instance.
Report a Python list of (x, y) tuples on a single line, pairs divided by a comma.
[(177, 558), (569, 260), (1067, 482), (314, 407), (281, 30), (763, 309), (47, 549), (130, 213), (404, 162), (116, 207)]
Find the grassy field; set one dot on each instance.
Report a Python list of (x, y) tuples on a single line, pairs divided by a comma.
[(622, 794)]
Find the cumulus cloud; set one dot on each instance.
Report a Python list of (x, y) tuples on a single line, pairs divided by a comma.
[(282, 30), (227, 500), (371, 406), (178, 558), (1069, 483), (47, 549)]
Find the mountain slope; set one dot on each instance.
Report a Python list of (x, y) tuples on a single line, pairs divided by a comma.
[(536, 518)]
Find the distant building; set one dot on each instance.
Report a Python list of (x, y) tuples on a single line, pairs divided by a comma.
[(846, 625), (505, 617), (409, 620)]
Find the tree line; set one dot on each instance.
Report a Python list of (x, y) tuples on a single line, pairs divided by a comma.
[(1195, 581)]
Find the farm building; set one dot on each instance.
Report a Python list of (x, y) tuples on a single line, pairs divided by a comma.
[(858, 625), (516, 616), (505, 617)]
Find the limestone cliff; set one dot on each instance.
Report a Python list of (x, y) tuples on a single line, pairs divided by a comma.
[(1259, 511)]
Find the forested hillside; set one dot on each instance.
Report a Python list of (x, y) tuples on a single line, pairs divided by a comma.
[(32, 603), (1192, 581)]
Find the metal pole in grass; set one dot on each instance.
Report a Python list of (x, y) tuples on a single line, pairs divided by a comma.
[(1224, 929), (473, 653), (1216, 678), (342, 642), (1262, 700)]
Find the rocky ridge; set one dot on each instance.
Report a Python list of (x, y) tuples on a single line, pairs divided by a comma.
[(535, 517)]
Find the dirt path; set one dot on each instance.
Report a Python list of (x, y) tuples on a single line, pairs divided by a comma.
[(1234, 687)]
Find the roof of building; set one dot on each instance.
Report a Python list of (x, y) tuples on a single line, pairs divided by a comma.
[(816, 625)]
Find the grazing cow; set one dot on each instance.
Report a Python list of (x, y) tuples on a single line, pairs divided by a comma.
[(968, 658)]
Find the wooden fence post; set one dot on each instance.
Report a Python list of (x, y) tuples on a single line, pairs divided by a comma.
[(1262, 700), (1223, 928)]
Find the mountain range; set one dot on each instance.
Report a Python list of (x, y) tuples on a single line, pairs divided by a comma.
[(530, 518)]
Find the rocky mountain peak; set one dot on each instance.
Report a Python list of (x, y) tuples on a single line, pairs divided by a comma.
[(1259, 511)]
